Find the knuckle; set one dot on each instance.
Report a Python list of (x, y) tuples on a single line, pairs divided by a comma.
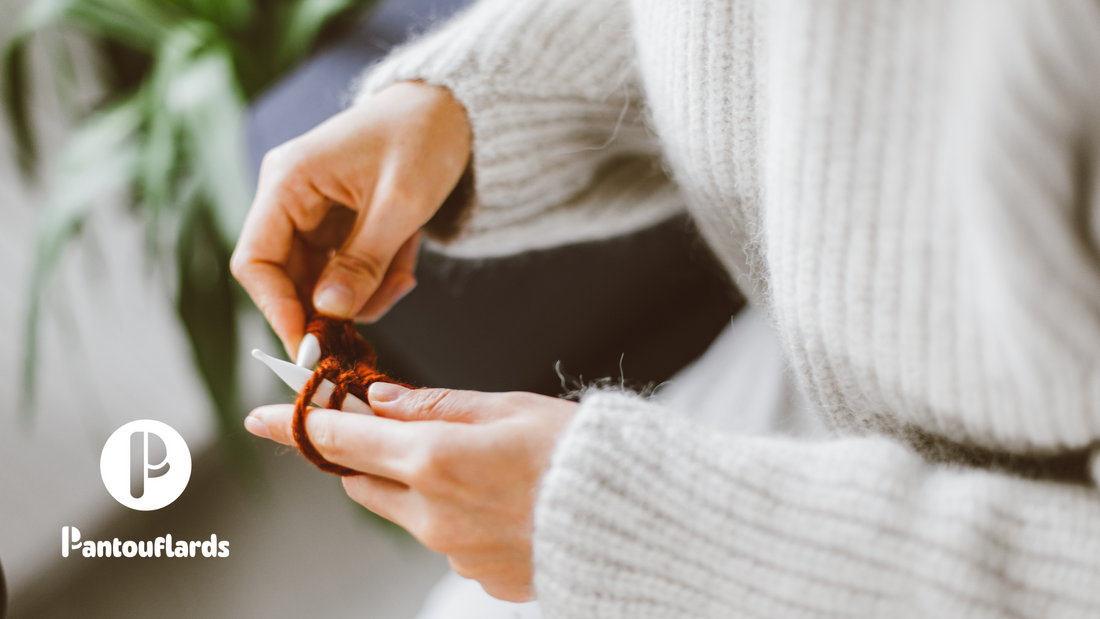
[(360, 491), (281, 165), (275, 159), (397, 195), (431, 403), (323, 435), (507, 592), (522, 399), (428, 468), (437, 534), (364, 266), (433, 463), (238, 264), (463, 568), (357, 491)]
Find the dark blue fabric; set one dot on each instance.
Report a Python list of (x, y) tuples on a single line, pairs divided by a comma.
[(638, 308), (321, 87)]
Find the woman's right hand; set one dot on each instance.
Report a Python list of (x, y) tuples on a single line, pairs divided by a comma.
[(336, 219)]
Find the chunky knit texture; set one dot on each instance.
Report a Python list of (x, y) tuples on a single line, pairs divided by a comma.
[(911, 189)]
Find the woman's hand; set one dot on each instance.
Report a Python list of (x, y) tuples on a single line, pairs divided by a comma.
[(458, 469), (337, 212)]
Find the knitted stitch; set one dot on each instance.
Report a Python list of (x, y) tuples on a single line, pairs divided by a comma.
[(911, 190)]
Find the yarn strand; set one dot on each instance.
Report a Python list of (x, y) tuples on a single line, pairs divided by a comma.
[(348, 362)]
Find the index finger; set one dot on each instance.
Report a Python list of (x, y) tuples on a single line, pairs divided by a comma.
[(375, 445), (263, 251)]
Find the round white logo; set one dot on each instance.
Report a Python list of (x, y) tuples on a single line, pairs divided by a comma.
[(145, 465)]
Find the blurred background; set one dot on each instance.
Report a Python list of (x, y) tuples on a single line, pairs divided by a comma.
[(133, 138)]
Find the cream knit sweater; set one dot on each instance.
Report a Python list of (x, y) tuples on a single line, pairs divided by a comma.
[(911, 189)]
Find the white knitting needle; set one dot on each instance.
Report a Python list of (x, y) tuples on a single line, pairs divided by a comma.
[(296, 376)]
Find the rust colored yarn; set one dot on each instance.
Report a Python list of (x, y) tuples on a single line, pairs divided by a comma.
[(348, 362)]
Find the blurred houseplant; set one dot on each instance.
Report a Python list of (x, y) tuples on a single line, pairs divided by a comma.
[(169, 133)]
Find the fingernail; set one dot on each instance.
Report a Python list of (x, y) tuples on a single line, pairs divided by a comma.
[(334, 300), (385, 392), (257, 427), (309, 351)]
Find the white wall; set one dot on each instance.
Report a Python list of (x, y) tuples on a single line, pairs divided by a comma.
[(111, 351)]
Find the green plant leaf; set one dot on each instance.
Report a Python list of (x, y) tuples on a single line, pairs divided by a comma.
[(227, 14), (43, 13), (100, 158), (17, 102), (118, 18), (183, 73), (16, 82), (305, 21), (61, 55), (156, 170), (206, 304), (139, 24), (210, 108), (162, 151)]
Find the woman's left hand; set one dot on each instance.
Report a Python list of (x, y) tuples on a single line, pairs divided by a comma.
[(462, 476)]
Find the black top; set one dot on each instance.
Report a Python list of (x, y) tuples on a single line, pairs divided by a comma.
[(3, 594)]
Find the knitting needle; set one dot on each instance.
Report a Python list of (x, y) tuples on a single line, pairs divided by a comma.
[(296, 376)]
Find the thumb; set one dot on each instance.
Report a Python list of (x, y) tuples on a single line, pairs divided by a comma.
[(397, 402), (357, 269), (349, 279)]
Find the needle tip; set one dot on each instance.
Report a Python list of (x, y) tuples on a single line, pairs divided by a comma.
[(309, 351)]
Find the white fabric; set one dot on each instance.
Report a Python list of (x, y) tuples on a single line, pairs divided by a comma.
[(455, 597), (742, 385)]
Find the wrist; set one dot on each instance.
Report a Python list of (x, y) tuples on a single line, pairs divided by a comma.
[(448, 221)]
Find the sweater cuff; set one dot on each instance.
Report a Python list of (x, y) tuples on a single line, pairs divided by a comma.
[(561, 149), (642, 513), (449, 221), (596, 542)]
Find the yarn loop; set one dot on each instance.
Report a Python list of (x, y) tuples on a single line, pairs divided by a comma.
[(348, 362)]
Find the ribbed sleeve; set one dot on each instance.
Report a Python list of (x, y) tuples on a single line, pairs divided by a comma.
[(645, 515), (909, 188), (562, 152)]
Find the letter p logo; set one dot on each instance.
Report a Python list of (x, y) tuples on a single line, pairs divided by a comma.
[(145, 465), (145, 449)]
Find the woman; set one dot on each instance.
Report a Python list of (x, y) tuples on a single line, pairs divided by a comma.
[(910, 190)]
